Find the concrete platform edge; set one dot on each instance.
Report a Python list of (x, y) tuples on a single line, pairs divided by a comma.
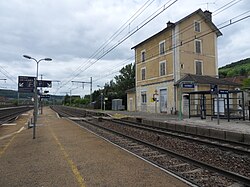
[(196, 130)]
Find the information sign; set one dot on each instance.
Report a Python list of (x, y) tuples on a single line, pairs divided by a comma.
[(44, 83), (26, 84), (223, 91), (188, 85), (45, 96)]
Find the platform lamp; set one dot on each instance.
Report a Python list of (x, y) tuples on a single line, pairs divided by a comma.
[(35, 91)]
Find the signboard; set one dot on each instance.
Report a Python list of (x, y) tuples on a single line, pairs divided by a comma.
[(45, 96), (188, 85), (26, 84), (223, 91), (44, 83)]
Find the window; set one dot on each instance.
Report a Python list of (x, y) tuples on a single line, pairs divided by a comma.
[(197, 46), (162, 68), (198, 67), (143, 56), (143, 73), (162, 48), (143, 97), (197, 26)]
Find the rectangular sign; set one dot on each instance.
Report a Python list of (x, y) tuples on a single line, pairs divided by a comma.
[(45, 96), (223, 91), (26, 84), (44, 83), (187, 85)]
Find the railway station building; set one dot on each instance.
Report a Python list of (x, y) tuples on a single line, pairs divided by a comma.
[(173, 62)]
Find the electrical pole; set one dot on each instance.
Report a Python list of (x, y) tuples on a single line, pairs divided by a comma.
[(41, 92), (90, 89), (82, 82)]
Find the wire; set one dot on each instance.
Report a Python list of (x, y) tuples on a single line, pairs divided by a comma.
[(122, 28), (8, 75), (136, 29), (145, 22)]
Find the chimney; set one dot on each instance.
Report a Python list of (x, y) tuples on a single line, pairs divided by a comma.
[(208, 15), (170, 24)]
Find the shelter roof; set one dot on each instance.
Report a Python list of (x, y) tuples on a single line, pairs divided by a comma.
[(205, 79)]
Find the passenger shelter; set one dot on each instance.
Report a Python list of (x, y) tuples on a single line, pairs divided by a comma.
[(202, 95)]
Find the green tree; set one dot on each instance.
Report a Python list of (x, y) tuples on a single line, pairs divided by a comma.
[(125, 81), (66, 100), (243, 71), (246, 83)]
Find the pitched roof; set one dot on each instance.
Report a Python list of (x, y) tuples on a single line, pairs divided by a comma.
[(205, 79), (236, 79), (132, 90), (200, 12)]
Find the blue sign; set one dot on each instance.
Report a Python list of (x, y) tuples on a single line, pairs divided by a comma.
[(223, 91), (45, 96), (188, 85)]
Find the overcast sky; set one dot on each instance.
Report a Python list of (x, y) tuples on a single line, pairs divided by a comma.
[(71, 31)]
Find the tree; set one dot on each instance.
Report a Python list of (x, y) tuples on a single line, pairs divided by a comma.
[(66, 100), (246, 83), (125, 81)]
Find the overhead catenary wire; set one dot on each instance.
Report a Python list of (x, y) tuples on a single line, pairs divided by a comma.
[(225, 24), (222, 8), (111, 38), (157, 46), (8, 75), (142, 24)]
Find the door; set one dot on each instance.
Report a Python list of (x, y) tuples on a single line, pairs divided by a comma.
[(163, 100), (185, 104), (130, 104)]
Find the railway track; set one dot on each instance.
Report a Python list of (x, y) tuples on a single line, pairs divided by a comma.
[(9, 114), (197, 162), (237, 147)]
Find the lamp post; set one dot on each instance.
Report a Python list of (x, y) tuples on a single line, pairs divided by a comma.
[(35, 91)]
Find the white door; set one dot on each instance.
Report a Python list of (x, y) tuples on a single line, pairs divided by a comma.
[(130, 104), (185, 104), (163, 100)]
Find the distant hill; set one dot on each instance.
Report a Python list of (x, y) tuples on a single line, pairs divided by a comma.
[(13, 95), (239, 68)]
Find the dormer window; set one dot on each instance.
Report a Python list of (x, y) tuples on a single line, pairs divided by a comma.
[(197, 26)]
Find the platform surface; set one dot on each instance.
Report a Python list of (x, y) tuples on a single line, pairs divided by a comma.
[(64, 154), (234, 125)]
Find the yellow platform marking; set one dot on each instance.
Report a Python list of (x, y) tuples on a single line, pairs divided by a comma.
[(118, 116), (73, 167), (7, 145)]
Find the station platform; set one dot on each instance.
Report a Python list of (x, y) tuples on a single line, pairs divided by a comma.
[(64, 154), (234, 130)]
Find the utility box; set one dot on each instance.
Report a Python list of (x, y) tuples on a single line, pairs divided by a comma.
[(117, 104)]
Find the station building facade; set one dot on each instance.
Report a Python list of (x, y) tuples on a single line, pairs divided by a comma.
[(188, 46)]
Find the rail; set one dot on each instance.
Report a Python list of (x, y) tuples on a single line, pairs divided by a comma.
[(9, 114)]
